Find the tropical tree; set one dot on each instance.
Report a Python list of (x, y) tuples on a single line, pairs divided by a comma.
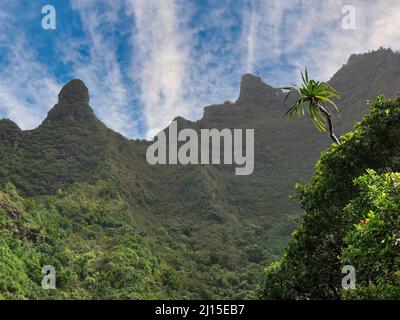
[(315, 97)]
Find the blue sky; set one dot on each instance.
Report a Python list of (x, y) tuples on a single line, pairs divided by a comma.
[(148, 61)]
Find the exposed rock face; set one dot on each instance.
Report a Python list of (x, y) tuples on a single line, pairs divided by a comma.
[(74, 91), (254, 91), (73, 104)]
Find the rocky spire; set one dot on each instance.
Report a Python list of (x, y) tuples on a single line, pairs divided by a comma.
[(74, 91), (73, 104)]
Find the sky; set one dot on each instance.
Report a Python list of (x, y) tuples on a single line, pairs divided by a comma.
[(147, 61)]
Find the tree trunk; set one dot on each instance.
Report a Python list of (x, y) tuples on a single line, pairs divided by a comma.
[(328, 117)]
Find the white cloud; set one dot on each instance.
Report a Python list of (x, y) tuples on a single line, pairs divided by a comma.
[(385, 30), (174, 70), (375, 21), (214, 68), (161, 58), (309, 32), (27, 89), (251, 36), (262, 32), (110, 95)]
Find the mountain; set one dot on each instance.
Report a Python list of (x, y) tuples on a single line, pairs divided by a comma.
[(200, 231)]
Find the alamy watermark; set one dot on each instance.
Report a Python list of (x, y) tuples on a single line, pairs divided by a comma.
[(209, 140), (49, 21), (349, 20), (49, 280), (349, 280)]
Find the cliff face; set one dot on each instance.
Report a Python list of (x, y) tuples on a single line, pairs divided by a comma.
[(73, 104)]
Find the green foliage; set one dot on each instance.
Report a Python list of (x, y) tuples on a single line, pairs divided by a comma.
[(311, 267), (127, 269), (315, 97), (14, 280), (280, 286), (96, 253), (373, 245), (94, 243)]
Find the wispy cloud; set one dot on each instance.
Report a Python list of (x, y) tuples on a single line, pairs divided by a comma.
[(111, 95), (148, 61), (285, 36), (161, 53), (262, 32), (333, 45), (27, 88), (186, 57), (251, 36), (215, 67)]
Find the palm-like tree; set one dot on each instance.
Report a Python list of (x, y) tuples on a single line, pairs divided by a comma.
[(315, 97)]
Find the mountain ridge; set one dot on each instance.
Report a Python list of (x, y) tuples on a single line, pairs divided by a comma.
[(253, 90)]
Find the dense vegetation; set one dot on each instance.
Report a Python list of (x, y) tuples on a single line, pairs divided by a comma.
[(96, 252), (352, 217)]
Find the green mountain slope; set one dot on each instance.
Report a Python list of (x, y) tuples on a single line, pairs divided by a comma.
[(204, 232)]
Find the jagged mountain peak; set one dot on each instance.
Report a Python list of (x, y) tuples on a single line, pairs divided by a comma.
[(382, 53), (73, 104), (74, 91), (254, 90), (7, 123), (367, 75), (9, 131)]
